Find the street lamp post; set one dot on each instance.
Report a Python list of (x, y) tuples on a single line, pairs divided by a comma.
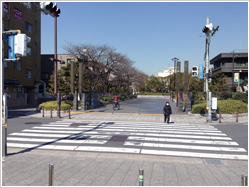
[(175, 60)]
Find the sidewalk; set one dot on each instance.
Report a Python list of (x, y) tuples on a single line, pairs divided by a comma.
[(116, 116), (108, 169)]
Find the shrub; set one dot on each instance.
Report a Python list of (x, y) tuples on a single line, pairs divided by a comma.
[(241, 96), (225, 106), (53, 104)]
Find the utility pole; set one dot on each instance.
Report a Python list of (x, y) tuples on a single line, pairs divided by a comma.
[(208, 28)]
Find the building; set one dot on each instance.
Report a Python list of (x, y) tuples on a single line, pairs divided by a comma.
[(47, 67), (24, 75), (166, 73), (224, 62)]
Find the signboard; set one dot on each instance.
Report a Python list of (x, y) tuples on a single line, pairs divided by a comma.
[(6, 8), (18, 14), (11, 82), (236, 77), (201, 71)]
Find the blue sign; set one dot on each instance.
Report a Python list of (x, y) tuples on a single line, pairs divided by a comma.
[(200, 71)]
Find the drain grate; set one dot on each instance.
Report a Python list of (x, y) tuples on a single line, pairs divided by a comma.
[(78, 124), (33, 123), (214, 162), (118, 138)]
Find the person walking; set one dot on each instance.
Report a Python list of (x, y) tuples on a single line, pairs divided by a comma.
[(167, 111), (116, 101)]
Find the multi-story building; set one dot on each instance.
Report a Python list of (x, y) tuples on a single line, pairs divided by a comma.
[(224, 62), (24, 75)]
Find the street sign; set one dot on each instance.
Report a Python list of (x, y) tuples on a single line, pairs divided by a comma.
[(236, 77), (201, 71)]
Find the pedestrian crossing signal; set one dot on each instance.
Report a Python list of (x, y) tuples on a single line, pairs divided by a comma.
[(195, 71)]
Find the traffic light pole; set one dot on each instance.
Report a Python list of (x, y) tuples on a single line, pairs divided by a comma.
[(55, 70), (208, 39)]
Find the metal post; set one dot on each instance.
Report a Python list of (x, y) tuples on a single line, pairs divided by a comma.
[(43, 111), (69, 113), (141, 177), (243, 180), (51, 112), (233, 74), (51, 174), (237, 116), (139, 110), (58, 105), (6, 132), (219, 116)]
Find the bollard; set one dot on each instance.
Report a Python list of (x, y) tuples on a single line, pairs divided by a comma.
[(112, 110), (237, 116), (139, 111), (141, 177), (219, 116), (43, 111), (243, 180), (69, 113), (51, 174), (51, 112)]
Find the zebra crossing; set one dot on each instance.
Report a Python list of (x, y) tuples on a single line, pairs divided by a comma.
[(186, 140)]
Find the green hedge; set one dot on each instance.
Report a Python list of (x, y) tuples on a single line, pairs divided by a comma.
[(241, 96), (149, 93), (48, 104), (225, 106)]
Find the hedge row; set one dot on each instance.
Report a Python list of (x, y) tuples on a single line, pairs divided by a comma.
[(53, 104), (229, 106), (122, 97)]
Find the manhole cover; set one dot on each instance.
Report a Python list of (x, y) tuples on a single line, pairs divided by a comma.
[(33, 123), (78, 124), (215, 162), (118, 138)]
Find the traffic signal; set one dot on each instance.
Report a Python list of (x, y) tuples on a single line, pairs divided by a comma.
[(21, 41), (49, 8), (208, 28), (195, 71)]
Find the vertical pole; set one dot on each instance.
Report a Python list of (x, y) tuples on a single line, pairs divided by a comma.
[(219, 116), (141, 177), (58, 105), (51, 112), (233, 74), (243, 180), (51, 174), (55, 56), (6, 117), (139, 110), (69, 113), (237, 116), (80, 77), (43, 111)]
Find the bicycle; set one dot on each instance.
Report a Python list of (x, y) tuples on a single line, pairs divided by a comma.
[(116, 106)]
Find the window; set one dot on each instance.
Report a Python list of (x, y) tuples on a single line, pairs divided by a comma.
[(70, 60), (18, 65), (27, 73), (45, 76), (241, 63), (28, 27), (35, 71), (29, 49), (35, 49), (35, 27)]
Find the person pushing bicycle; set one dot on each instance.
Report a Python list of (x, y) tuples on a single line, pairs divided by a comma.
[(116, 101)]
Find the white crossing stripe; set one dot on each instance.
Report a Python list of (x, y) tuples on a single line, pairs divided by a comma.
[(192, 154), (78, 148), (60, 141), (181, 140), (184, 146), (142, 134)]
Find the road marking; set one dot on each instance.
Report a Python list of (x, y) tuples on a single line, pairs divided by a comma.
[(181, 140), (142, 134), (108, 149), (56, 125), (56, 141), (184, 146), (192, 154)]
